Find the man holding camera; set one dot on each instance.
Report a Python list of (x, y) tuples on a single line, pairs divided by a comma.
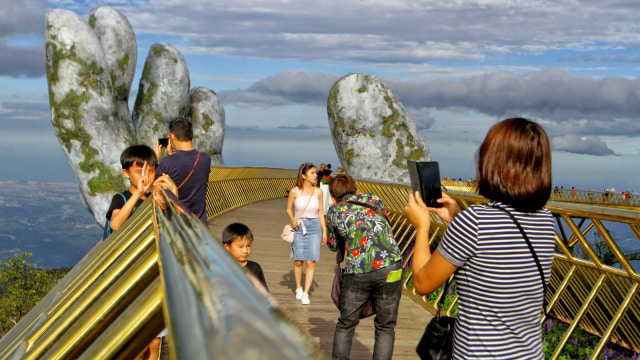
[(187, 167)]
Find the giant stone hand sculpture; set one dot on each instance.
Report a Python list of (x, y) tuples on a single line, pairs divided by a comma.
[(372, 133), (90, 69)]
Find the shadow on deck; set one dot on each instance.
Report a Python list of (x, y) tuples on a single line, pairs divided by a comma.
[(266, 219)]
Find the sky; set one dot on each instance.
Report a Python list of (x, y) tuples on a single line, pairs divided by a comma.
[(457, 66)]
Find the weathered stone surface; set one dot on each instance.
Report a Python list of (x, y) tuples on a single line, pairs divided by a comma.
[(163, 93), (83, 110), (372, 133), (120, 49), (207, 116), (90, 69)]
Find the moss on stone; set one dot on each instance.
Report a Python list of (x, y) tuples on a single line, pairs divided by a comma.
[(362, 89), (400, 160), (69, 109), (147, 89), (207, 121), (158, 50), (348, 155), (92, 21)]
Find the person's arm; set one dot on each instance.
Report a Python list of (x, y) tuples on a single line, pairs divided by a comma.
[(321, 216), (118, 217), (429, 272), (292, 198)]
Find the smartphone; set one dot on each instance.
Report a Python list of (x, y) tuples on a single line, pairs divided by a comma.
[(425, 178), (163, 141)]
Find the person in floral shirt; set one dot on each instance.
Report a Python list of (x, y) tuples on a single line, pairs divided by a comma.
[(358, 227)]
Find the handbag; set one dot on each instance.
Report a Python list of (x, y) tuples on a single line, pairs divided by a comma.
[(288, 232), (437, 341)]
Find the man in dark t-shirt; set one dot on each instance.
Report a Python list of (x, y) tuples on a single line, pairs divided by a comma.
[(187, 167)]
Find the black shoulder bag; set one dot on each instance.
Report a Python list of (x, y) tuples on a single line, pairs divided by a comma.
[(437, 341)]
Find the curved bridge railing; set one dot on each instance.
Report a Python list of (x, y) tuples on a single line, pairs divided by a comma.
[(585, 290), (161, 269), (123, 292)]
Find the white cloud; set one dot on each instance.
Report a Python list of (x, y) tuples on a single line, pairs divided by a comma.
[(581, 145)]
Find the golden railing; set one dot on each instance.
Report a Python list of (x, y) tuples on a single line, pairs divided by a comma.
[(161, 269), (583, 291)]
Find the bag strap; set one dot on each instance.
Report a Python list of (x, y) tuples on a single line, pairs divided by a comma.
[(194, 167), (443, 296), (533, 252), (308, 202)]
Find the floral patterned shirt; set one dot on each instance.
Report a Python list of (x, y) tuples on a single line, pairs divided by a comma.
[(369, 241)]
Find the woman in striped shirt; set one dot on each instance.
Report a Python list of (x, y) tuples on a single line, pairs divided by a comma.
[(499, 287)]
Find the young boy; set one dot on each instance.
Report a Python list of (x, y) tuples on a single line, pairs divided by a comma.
[(237, 239), (139, 166)]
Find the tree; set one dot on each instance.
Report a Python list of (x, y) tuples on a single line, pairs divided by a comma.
[(22, 285)]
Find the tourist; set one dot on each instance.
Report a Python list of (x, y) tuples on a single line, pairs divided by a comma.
[(186, 166), (237, 239), (358, 226), (499, 287), (309, 223), (138, 165)]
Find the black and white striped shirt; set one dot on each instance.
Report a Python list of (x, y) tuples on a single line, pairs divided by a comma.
[(500, 292)]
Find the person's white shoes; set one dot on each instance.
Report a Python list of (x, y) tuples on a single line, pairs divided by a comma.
[(299, 294), (305, 299)]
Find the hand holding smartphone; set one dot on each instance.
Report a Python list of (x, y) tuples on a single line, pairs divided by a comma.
[(425, 178), (163, 141)]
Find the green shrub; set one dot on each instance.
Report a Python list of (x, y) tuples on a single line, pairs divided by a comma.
[(22, 285)]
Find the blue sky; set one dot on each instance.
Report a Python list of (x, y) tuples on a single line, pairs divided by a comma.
[(457, 66)]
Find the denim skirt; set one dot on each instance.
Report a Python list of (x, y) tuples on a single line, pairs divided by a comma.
[(307, 246)]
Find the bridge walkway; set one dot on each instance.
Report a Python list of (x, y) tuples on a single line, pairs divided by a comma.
[(265, 219)]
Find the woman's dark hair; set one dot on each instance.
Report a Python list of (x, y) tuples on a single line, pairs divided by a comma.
[(342, 185), (514, 164), (302, 170), (138, 154)]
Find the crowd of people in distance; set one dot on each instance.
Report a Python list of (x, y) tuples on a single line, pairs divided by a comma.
[(482, 247)]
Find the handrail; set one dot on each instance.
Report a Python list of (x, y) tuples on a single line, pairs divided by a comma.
[(161, 268), (123, 292), (584, 291)]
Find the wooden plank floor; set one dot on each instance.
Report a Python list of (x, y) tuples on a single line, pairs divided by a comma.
[(266, 219)]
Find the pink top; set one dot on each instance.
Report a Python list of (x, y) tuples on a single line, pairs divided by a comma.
[(301, 202)]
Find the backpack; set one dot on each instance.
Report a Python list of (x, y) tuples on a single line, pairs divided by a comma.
[(107, 226)]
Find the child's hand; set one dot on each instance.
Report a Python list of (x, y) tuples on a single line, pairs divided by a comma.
[(143, 183)]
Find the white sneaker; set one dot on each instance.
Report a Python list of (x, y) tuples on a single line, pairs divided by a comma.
[(305, 299), (299, 294)]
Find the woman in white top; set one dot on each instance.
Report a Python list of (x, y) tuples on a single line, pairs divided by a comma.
[(310, 227)]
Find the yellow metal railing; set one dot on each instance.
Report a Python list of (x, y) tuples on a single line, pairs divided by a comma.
[(584, 291), (162, 268)]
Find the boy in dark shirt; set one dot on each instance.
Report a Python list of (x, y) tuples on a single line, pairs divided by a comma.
[(139, 166), (237, 239)]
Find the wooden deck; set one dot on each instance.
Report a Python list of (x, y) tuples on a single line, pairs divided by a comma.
[(266, 219)]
